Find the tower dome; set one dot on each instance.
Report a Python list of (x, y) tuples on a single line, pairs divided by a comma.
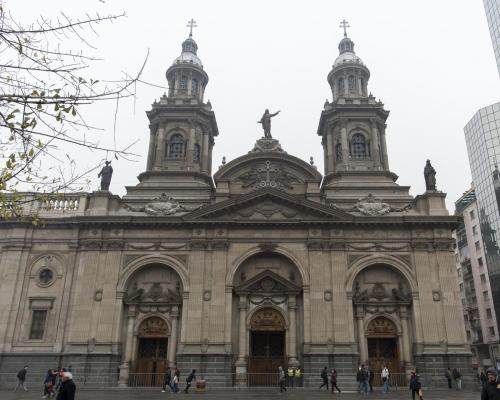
[(349, 75), (186, 77)]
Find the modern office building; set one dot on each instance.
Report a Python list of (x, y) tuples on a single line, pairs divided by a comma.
[(492, 8), (475, 291)]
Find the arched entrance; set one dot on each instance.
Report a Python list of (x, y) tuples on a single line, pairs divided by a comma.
[(267, 344), (382, 338), (152, 352)]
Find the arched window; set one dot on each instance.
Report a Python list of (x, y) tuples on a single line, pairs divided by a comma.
[(183, 84), (340, 84), (358, 146), (351, 83), (176, 147), (196, 152), (338, 151), (194, 87)]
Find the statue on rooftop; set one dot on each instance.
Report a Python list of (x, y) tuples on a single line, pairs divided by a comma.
[(266, 123), (105, 175), (430, 177)]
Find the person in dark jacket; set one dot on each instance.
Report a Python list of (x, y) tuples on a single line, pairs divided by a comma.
[(324, 376), (189, 379), (21, 379), (415, 386), (491, 390), (68, 387), (333, 380), (447, 375), (49, 384), (167, 379), (371, 376)]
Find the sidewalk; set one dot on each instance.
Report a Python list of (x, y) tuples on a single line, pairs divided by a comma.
[(239, 394)]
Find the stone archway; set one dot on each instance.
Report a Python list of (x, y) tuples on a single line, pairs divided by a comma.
[(382, 303), (268, 301), (153, 305)]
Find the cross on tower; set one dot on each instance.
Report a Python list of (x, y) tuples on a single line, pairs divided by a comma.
[(191, 24), (344, 24)]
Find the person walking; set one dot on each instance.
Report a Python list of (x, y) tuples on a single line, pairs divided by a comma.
[(416, 386), (447, 375), (21, 379), (175, 383), (358, 379), (491, 389), (457, 377), (324, 376), (364, 379), (49, 383), (483, 379), (189, 379), (281, 377), (333, 380), (371, 376), (68, 387), (167, 379), (385, 379)]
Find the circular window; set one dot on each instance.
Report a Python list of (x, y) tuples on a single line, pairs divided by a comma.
[(45, 276)]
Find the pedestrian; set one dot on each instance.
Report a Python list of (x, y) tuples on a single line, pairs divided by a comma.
[(175, 382), (385, 379), (371, 376), (333, 380), (21, 379), (68, 387), (291, 376), (166, 379), (281, 377), (324, 376), (358, 379), (457, 377), (364, 379), (447, 374), (189, 379), (483, 379), (48, 384), (491, 389), (416, 386)]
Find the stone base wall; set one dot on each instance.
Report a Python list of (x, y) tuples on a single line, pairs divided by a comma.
[(432, 368), (217, 369), (98, 370), (345, 364)]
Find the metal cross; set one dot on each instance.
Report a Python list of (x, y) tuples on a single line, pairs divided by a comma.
[(191, 24), (344, 24)]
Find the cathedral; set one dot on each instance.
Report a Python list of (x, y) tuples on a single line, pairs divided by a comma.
[(267, 262)]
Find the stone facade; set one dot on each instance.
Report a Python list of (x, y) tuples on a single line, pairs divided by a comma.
[(266, 262)]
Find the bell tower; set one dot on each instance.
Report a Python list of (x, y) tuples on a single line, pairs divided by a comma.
[(352, 129), (182, 131)]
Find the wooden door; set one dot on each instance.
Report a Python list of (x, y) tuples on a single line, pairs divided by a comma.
[(151, 361), (267, 353)]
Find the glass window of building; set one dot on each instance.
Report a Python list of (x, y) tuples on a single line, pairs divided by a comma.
[(478, 245), (38, 324), (488, 313), (486, 295), (472, 215), (176, 147), (359, 146), (480, 261), (474, 230), (483, 278), (492, 331)]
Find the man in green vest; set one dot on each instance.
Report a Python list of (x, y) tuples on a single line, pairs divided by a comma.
[(297, 376), (291, 375)]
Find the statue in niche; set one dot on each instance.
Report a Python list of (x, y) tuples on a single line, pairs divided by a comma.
[(266, 123), (105, 175), (430, 177)]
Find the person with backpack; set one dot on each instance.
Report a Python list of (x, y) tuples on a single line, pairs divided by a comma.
[(491, 389), (416, 386), (21, 379), (189, 379), (333, 380), (324, 376), (385, 379)]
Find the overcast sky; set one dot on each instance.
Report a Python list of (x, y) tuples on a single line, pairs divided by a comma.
[(431, 64)]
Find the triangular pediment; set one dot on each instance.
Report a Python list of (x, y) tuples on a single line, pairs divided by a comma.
[(267, 282), (269, 205)]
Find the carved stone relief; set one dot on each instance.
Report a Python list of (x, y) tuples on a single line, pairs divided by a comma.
[(267, 175)]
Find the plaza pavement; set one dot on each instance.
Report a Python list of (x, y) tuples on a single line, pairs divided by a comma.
[(241, 394)]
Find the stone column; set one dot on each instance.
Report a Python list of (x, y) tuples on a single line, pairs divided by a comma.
[(329, 161), (292, 332), (241, 363), (127, 360), (403, 315), (160, 145), (172, 343), (384, 147), (345, 145), (375, 147), (151, 150), (360, 314)]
